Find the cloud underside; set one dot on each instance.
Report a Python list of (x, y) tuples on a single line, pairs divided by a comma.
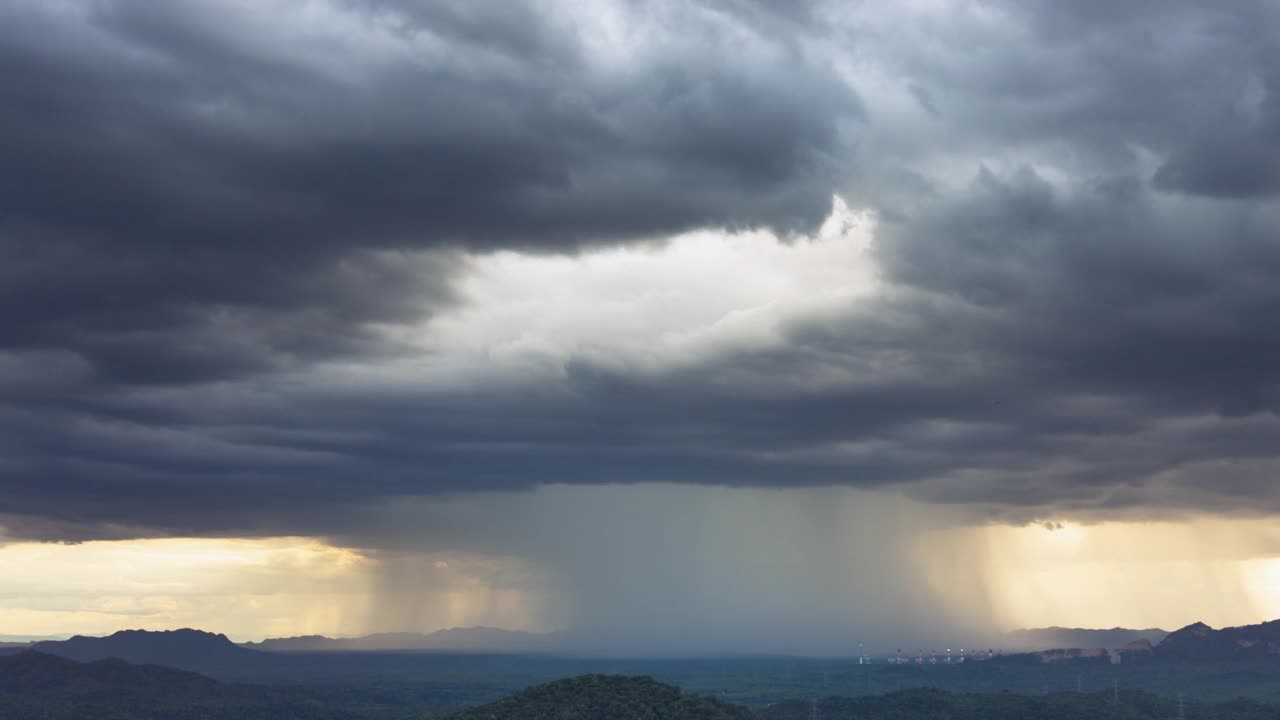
[(262, 266)]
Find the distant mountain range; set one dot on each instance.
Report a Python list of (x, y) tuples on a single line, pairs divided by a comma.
[(210, 652), (28, 639), (1201, 642), (496, 640), (140, 646), (1195, 642), (1038, 639), (472, 639)]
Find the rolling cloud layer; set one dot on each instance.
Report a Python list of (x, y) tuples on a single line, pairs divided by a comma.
[(267, 267)]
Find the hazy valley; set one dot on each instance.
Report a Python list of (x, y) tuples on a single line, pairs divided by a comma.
[(203, 674)]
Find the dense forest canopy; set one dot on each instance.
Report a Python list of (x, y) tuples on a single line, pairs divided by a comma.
[(38, 686)]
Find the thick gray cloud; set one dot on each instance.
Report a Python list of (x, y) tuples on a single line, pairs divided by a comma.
[(187, 199), (204, 227)]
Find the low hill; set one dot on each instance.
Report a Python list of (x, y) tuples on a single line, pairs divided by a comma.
[(178, 648), (39, 686), (605, 696), (36, 672)]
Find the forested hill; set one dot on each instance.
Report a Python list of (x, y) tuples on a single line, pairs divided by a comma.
[(605, 696), (39, 686), (929, 704), (186, 648), (40, 674)]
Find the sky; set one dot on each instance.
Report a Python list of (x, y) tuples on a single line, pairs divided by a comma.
[(710, 325)]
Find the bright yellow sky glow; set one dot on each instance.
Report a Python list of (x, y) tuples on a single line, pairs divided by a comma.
[(1224, 572), (247, 588)]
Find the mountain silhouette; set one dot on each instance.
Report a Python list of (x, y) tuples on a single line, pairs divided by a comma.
[(1198, 641), (1038, 639), (184, 648)]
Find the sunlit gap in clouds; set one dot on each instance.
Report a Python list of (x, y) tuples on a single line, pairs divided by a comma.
[(249, 588), (647, 307), (243, 587), (1134, 574)]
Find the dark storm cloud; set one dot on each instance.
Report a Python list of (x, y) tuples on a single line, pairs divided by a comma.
[(1234, 162), (1076, 248), (185, 199), (163, 120)]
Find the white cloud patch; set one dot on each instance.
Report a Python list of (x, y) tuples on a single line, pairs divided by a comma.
[(654, 306)]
